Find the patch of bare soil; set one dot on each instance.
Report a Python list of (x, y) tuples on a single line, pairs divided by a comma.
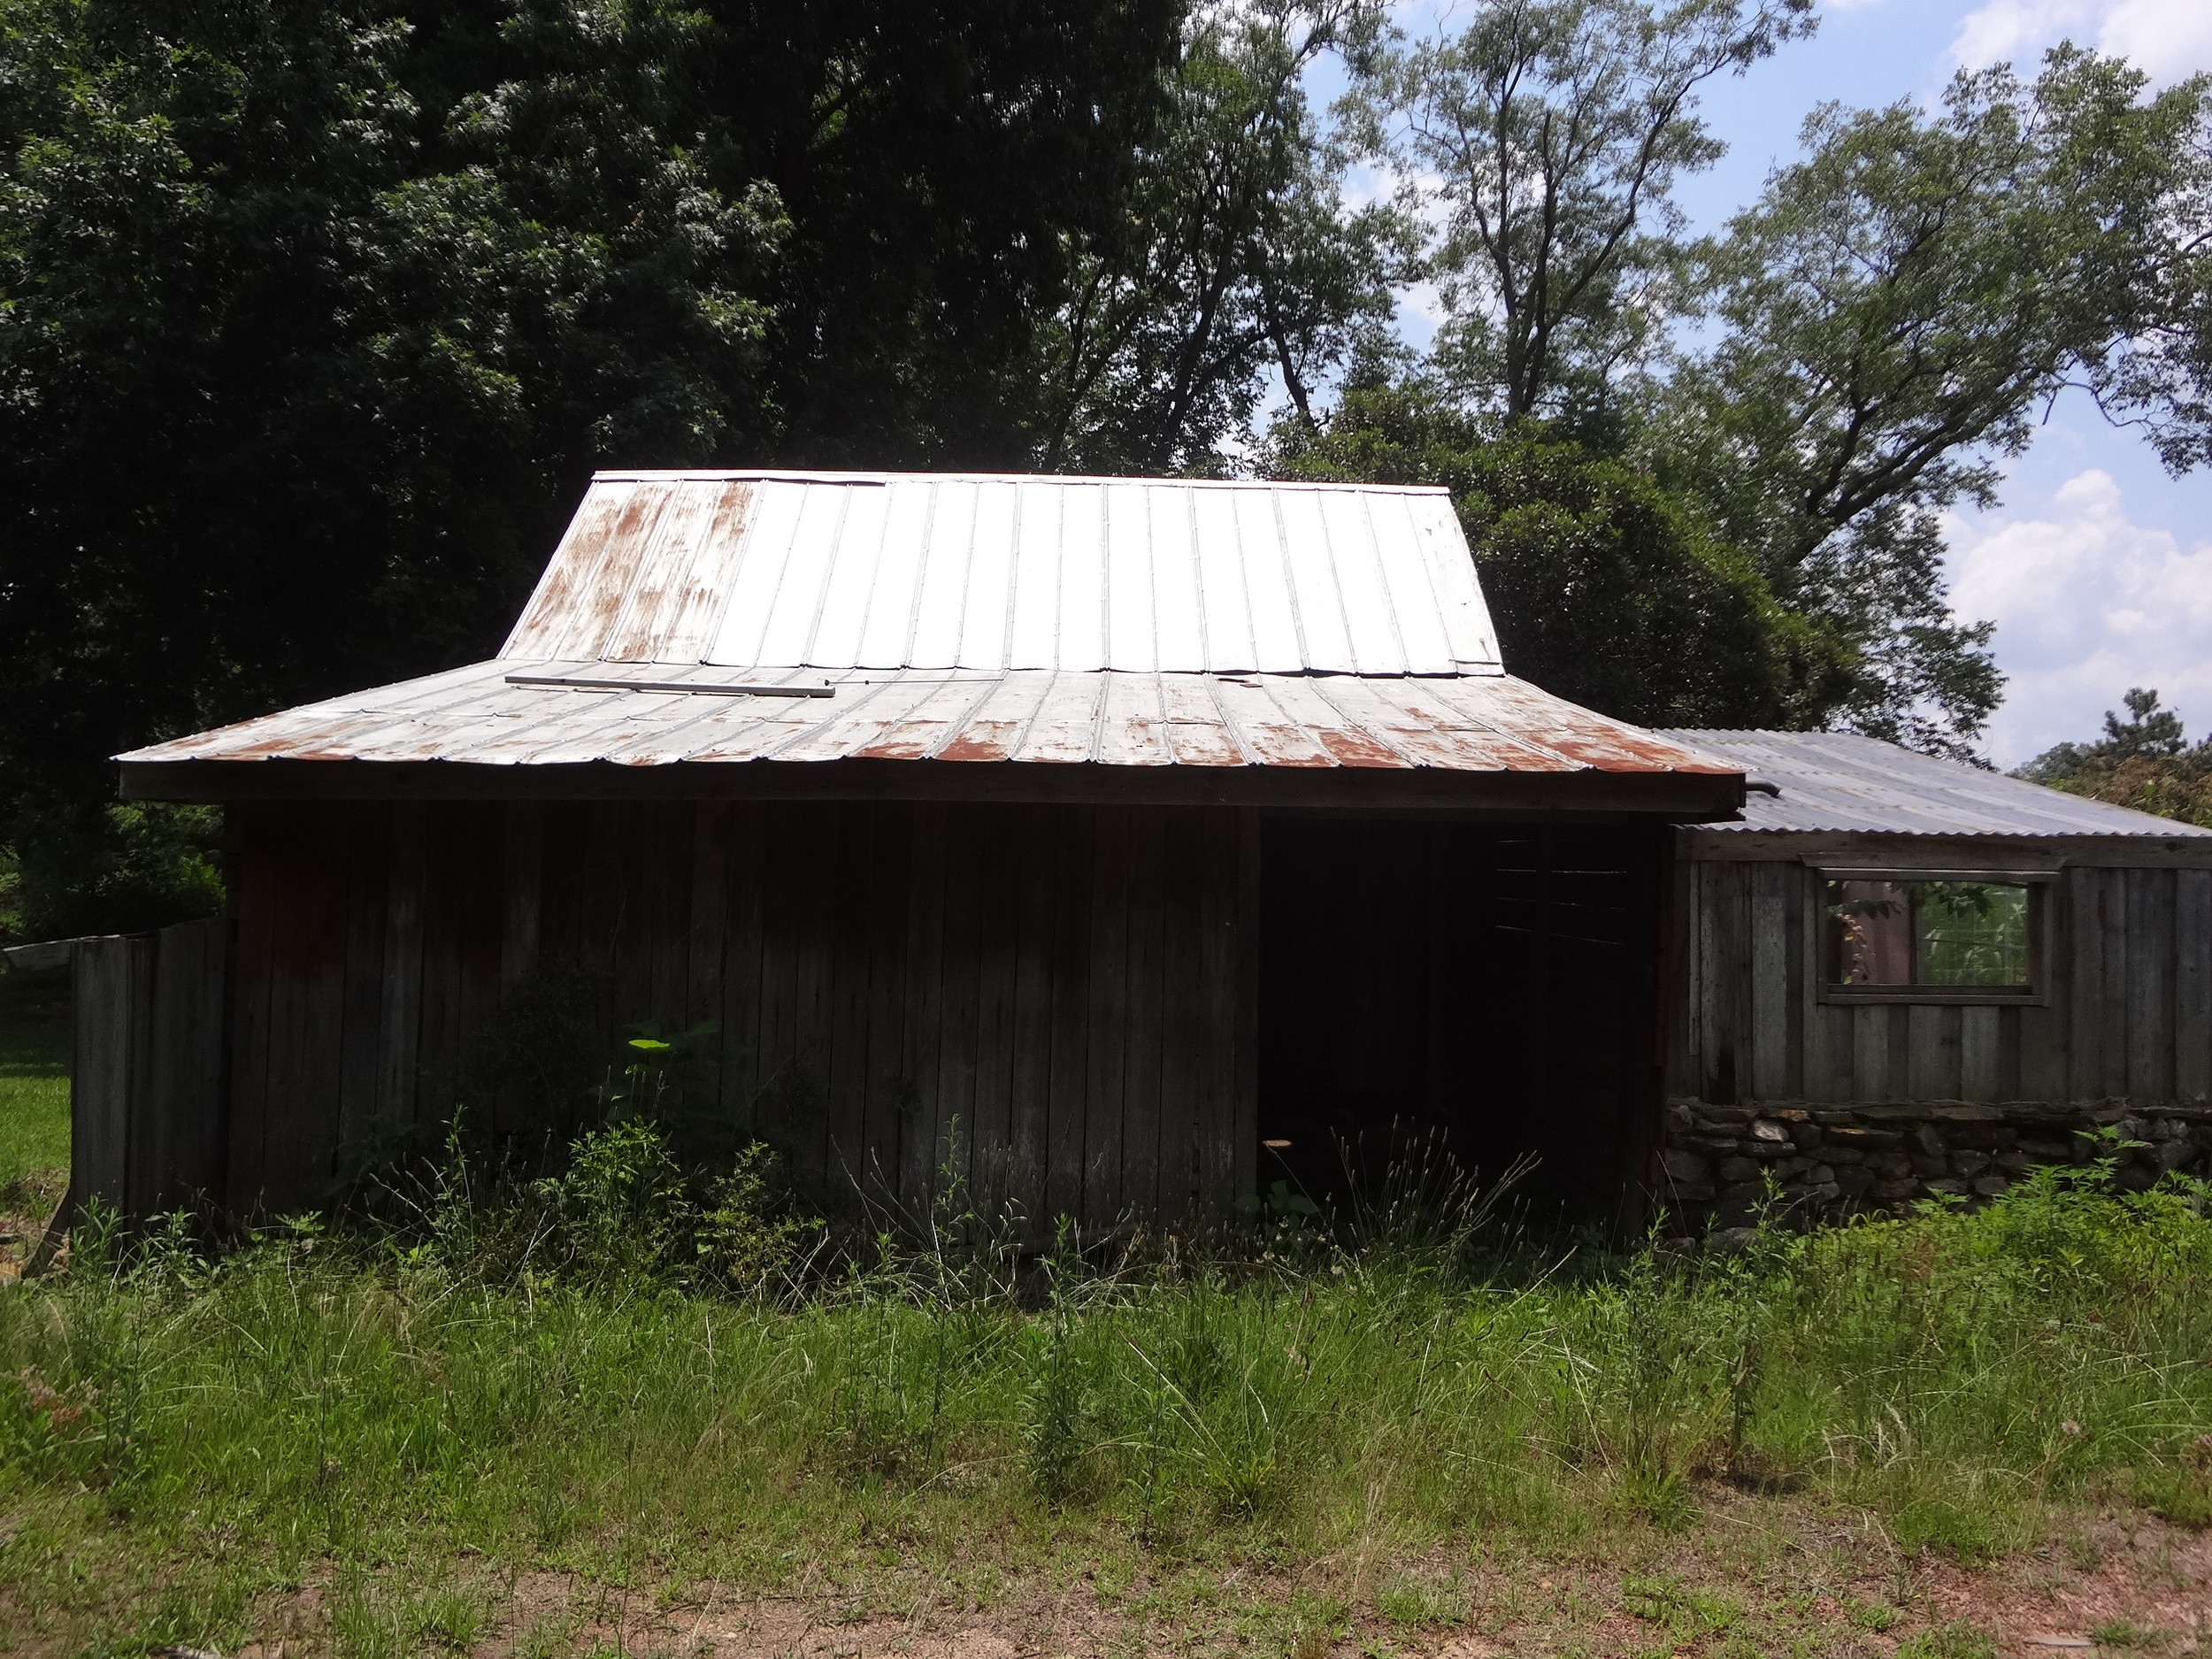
[(2111, 1579), (26, 1207), (1754, 1577)]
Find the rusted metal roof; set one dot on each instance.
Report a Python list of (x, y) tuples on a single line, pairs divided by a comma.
[(886, 570), (694, 617), (1831, 781), (481, 715)]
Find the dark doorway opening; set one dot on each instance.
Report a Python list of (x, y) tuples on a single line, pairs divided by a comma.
[(1481, 990)]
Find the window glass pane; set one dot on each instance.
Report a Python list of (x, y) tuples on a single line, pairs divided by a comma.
[(1869, 934), (1942, 934), (1971, 933)]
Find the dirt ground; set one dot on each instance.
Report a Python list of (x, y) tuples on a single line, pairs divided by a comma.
[(1753, 1577), (23, 1222)]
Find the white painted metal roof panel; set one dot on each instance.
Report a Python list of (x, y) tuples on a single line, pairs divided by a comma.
[(996, 574)]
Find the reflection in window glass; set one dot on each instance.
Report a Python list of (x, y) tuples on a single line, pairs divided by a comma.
[(1940, 934)]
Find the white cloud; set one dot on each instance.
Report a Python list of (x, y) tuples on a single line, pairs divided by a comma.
[(2167, 39), (2088, 604)]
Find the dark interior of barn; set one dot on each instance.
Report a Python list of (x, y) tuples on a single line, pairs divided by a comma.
[(1477, 990)]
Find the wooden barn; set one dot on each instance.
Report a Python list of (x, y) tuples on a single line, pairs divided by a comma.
[(1902, 975), (1120, 844)]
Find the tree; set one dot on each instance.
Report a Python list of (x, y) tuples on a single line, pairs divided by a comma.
[(1549, 134), (1231, 255), (1895, 306), (2145, 762), (314, 318), (2160, 377), (1605, 589)]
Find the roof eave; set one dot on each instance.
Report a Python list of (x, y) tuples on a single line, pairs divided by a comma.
[(1904, 849), (1679, 797)]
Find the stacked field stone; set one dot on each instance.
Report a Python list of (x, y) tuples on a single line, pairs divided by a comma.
[(1829, 1161)]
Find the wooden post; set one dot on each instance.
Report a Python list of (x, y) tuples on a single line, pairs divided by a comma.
[(113, 994)]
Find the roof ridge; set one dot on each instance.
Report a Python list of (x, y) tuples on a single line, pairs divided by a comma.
[(859, 476)]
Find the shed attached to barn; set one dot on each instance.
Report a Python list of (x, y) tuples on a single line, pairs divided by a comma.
[(1095, 838), (1903, 976)]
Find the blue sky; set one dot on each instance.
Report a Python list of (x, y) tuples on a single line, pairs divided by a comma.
[(2096, 567)]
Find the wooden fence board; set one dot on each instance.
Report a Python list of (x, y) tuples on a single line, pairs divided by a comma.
[(888, 1089), (307, 1013), (705, 930), (923, 1044), (2193, 985), (1980, 1048), (743, 1039), (1073, 1030), (2113, 1009), (1187, 1012), (1144, 1060), (953, 1126), (110, 1011), (2044, 1062), (360, 1067), (1109, 1016), (852, 899), (1029, 1137), (1932, 1064), (998, 902), (185, 1117), (2084, 971), (1245, 1143), (1869, 1051), (2150, 980), (147, 1130), (1768, 903)]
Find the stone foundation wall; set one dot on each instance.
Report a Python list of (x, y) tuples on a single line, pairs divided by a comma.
[(1832, 1161)]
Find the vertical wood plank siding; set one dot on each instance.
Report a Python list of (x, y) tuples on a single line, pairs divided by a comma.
[(147, 1129), (1052, 1002), (2128, 955)]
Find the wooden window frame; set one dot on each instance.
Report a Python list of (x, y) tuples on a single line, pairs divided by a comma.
[(2040, 884)]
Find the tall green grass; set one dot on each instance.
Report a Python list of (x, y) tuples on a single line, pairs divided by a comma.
[(33, 1083), (374, 1398)]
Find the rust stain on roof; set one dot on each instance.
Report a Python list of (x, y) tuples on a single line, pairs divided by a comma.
[(1111, 622), (1486, 724)]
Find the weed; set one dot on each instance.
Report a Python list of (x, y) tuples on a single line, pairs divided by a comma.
[(1412, 1601), (378, 1619), (1958, 1640), (1689, 1614), (2180, 1491), (1877, 1616), (1967, 1530)]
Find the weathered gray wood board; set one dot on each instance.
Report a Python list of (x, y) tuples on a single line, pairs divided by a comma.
[(146, 1097), (2128, 1015), (1046, 1001)]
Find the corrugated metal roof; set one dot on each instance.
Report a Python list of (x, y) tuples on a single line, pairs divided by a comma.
[(477, 714), (1114, 622), (1837, 781), (843, 571)]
